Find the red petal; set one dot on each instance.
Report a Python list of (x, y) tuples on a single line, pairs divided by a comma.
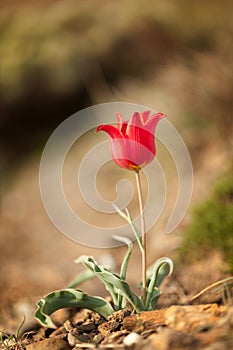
[(134, 127), (145, 116), (130, 154), (120, 121), (137, 153), (121, 125), (151, 124), (119, 152), (111, 130), (136, 131), (135, 121)]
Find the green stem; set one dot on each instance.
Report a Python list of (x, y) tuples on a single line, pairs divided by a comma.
[(143, 235)]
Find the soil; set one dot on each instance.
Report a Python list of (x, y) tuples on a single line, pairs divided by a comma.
[(182, 321), (204, 326)]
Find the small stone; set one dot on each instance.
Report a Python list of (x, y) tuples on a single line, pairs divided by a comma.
[(72, 339), (59, 333), (114, 338), (86, 327), (84, 338), (98, 338), (132, 339), (119, 315), (133, 324), (97, 318), (107, 327), (81, 316), (68, 326)]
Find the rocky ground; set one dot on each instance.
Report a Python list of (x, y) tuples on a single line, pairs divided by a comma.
[(203, 326), (201, 321)]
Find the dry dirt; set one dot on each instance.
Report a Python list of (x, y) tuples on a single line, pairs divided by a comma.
[(206, 327)]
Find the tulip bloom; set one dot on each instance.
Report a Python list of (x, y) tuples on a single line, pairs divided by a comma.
[(133, 142)]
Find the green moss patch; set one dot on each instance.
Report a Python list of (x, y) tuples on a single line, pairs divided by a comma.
[(212, 224)]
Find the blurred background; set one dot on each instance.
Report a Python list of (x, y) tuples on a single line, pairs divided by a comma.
[(58, 57)]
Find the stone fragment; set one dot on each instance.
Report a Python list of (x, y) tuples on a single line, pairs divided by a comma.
[(81, 316), (72, 339), (68, 326), (84, 338), (98, 338), (86, 327), (132, 339), (114, 338), (107, 327), (59, 332)]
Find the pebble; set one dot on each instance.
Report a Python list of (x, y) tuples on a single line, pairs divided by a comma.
[(132, 339), (87, 327), (68, 326), (72, 339)]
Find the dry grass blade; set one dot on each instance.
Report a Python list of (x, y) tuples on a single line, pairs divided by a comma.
[(219, 287)]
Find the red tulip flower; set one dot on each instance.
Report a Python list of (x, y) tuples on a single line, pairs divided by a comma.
[(133, 142)]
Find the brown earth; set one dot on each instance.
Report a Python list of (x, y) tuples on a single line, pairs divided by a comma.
[(204, 326)]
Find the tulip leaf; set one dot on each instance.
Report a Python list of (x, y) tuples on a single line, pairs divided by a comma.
[(128, 218), (69, 298), (125, 262), (98, 270), (163, 267), (154, 299), (113, 283), (121, 301)]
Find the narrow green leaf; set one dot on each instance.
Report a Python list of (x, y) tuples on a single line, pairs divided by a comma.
[(69, 298), (159, 272), (128, 218), (96, 269), (164, 270), (125, 262), (19, 328), (154, 299), (121, 301), (119, 211)]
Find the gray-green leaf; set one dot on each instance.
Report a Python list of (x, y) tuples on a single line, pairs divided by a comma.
[(113, 282), (69, 298), (163, 267)]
